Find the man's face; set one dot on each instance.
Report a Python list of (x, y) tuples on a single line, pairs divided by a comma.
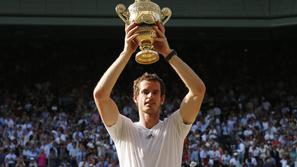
[(149, 97)]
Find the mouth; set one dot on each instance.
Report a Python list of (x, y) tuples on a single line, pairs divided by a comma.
[(148, 103)]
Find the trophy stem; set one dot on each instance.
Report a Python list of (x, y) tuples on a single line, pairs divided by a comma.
[(147, 56), (146, 46)]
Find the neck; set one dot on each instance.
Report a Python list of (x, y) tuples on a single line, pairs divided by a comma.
[(149, 120)]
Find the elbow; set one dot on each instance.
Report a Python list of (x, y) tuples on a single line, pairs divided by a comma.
[(199, 90), (96, 94), (99, 93), (202, 88)]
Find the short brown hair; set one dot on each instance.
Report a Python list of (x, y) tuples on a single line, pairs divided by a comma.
[(148, 77)]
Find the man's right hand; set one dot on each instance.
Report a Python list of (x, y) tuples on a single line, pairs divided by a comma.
[(130, 42)]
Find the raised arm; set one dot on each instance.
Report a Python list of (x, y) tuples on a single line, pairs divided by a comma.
[(191, 103), (107, 108)]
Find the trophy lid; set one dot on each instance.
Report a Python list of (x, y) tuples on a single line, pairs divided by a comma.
[(144, 5), (144, 11)]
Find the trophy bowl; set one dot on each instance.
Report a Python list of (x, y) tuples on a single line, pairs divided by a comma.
[(144, 13)]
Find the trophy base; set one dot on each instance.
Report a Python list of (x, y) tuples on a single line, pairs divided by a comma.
[(147, 57)]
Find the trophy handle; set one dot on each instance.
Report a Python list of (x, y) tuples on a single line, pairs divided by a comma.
[(122, 12), (165, 15)]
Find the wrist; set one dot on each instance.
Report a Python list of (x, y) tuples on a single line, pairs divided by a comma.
[(171, 54), (126, 52), (166, 53)]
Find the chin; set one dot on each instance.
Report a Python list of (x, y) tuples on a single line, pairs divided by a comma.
[(150, 111)]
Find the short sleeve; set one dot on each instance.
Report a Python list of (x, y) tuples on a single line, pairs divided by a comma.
[(116, 130), (181, 128)]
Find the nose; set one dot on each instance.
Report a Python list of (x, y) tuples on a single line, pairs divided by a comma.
[(150, 94)]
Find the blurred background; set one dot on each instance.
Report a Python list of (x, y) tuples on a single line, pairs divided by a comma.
[(53, 53)]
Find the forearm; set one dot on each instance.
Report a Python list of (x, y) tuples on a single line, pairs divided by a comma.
[(191, 103), (109, 78), (192, 81)]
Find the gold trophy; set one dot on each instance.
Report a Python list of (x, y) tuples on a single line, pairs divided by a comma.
[(145, 13)]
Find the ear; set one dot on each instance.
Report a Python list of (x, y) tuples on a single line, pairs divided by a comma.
[(162, 99), (135, 99)]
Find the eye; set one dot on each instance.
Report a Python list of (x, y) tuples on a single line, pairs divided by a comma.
[(145, 91), (155, 92)]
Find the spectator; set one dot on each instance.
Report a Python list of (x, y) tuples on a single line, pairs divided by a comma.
[(20, 162), (10, 159), (32, 162), (41, 161)]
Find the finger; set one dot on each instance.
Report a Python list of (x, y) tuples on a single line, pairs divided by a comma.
[(159, 32), (134, 42), (130, 26), (132, 37), (132, 31), (159, 39), (161, 27)]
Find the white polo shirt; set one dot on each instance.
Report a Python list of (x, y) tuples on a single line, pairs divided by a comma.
[(160, 146)]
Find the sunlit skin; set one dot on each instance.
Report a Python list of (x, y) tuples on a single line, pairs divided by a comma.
[(149, 101)]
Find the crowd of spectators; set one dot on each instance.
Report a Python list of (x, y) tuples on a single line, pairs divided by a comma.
[(246, 128), (243, 122)]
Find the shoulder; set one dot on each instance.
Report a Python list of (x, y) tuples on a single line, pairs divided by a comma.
[(121, 122), (176, 124), (121, 127), (174, 117)]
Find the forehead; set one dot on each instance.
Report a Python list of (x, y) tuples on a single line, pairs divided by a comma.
[(149, 85)]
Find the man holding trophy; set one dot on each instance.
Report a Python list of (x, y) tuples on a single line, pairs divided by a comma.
[(149, 142)]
